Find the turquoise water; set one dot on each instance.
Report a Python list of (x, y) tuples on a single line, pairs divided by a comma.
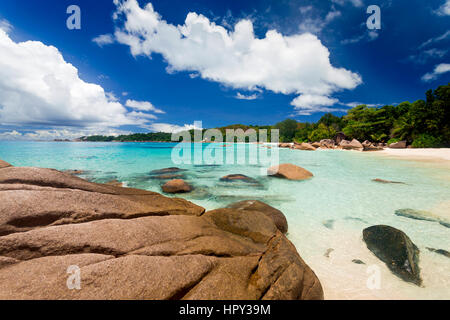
[(327, 212)]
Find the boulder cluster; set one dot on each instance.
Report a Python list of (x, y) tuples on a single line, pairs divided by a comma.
[(134, 244)]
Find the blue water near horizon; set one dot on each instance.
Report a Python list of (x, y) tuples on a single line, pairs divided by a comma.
[(326, 212)]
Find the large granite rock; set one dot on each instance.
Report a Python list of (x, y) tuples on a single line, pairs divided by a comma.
[(176, 186), (304, 146), (351, 145), (398, 145), (255, 205), (396, 250), (4, 164), (327, 143), (289, 171), (135, 244)]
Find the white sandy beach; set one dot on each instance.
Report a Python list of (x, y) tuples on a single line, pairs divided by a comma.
[(418, 154)]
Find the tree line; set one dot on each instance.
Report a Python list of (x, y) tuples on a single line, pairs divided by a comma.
[(423, 124)]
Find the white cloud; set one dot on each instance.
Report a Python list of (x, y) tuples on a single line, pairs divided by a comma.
[(307, 104), (444, 10), (241, 96), (440, 38), (426, 55), (142, 106), (438, 70), (297, 64), (64, 133), (38, 87), (103, 40), (10, 135), (169, 128), (356, 3), (5, 25)]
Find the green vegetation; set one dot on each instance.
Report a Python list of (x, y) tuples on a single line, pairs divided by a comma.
[(423, 124)]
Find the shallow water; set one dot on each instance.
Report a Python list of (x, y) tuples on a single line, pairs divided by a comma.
[(327, 212)]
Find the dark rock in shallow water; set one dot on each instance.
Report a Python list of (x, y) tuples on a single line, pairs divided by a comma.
[(75, 172), (356, 219), (387, 181), (440, 251), (327, 253), (329, 223), (421, 215), (393, 247), (166, 170), (254, 205), (167, 176), (357, 261)]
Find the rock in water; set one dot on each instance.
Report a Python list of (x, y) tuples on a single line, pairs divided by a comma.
[(254, 205), (357, 261), (422, 215), (289, 171), (176, 186), (4, 164), (351, 145), (387, 181), (238, 177), (393, 247), (136, 244), (166, 170), (440, 251), (304, 146)]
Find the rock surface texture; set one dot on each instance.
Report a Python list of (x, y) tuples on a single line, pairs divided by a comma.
[(396, 250), (289, 171), (136, 244)]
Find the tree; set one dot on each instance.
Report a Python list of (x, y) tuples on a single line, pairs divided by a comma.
[(287, 129), (322, 132)]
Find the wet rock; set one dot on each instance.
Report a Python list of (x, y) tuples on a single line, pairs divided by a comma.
[(167, 176), (357, 261), (135, 244), (115, 183), (398, 145), (387, 181), (440, 251), (176, 186), (75, 172), (166, 170), (396, 250), (422, 215), (254, 205), (238, 177), (329, 223), (289, 171)]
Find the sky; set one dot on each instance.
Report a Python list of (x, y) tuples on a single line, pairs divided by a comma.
[(160, 65)]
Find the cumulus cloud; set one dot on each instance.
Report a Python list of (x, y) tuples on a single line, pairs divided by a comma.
[(63, 133), (438, 70), (307, 104), (297, 64), (444, 10), (39, 88), (142, 106), (169, 128), (103, 40)]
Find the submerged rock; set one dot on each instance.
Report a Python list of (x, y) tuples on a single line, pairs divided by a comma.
[(254, 205), (4, 164), (329, 223), (238, 177), (75, 172), (136, 244), (440, 251), (289, 171), (396, 250), (387, 181), (422, 215), (328, 252), (167, 176), (115, 183), (357, 261), (176, 186), (166, 170)]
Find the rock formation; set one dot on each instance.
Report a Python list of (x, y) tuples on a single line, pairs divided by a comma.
[(289, 171), (135, 244)]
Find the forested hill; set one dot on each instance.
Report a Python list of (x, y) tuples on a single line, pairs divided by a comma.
[(423, 124)]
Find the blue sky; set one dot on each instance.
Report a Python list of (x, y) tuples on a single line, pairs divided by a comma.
[(134, 67)]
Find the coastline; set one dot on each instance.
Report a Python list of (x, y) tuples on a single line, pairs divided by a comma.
[(432, 154)]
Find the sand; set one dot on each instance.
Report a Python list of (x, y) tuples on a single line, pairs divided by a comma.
[(418, 154)]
